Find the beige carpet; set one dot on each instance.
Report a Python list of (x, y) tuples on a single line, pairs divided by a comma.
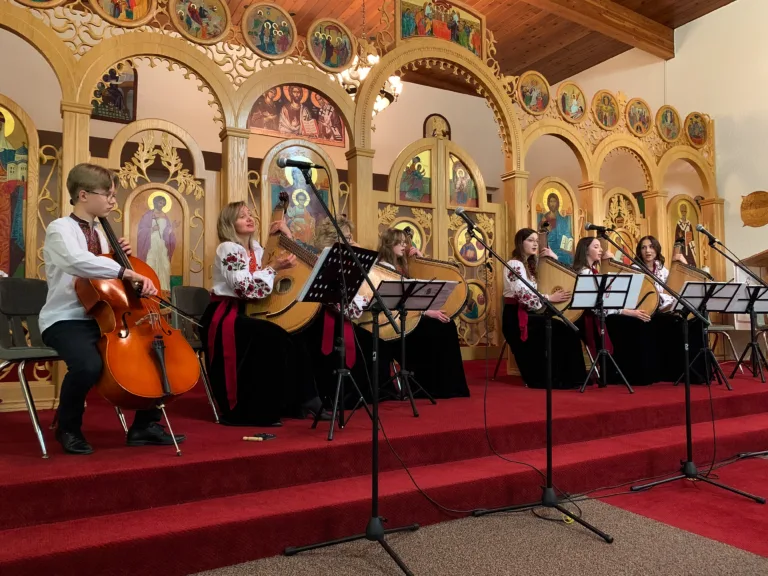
[(522, 545)]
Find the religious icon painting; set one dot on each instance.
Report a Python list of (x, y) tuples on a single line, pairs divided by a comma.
[(416, 179), (533, 93), (441, 19), (14, 158), (468, 250), (462, 187), (639, 119), (571, 103), (696, 129), (114, 98), (155, 228), (201, 21), (415, 231), (331, 45), (304, 212), (269, 30), (683, 219), (295, 111), (554, 212), (126, 14), (477, 303), (437, 126), (605, 109), (668, 123)]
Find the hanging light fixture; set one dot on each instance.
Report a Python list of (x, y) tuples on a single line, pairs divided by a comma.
[(353, 76)]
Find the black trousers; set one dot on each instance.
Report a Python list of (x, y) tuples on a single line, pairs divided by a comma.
[(75, 341)]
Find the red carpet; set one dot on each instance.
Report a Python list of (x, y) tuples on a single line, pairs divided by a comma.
[(225, 501), (709, 511)]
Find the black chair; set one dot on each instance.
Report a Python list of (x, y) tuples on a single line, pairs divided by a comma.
[(21, 300), (193, 301)]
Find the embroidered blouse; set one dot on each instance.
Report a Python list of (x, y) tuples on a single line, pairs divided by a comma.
[(233, 275), (662, 273), (516, 290)]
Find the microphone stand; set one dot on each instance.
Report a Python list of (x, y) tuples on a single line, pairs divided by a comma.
[(757, 354), (549, 498), (374, 530), (688, 469)]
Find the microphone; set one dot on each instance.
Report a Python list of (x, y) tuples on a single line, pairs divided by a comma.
[(602, 229), (300, 164), (461, 213), (708, 234)]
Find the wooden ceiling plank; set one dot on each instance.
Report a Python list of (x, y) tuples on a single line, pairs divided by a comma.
[(615, 21)]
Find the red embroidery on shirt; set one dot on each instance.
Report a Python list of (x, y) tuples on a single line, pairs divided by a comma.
[(91, 236)]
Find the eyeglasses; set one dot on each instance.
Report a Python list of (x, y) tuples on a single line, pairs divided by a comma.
[(110, 196)]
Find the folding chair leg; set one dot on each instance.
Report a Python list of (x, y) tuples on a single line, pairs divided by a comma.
[(31, 408), (207, 386), (733, 350), (121, 416)]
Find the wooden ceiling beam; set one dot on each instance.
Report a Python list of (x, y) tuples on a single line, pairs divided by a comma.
[(614, 21)]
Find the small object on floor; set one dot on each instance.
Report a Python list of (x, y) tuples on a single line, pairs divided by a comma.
[(259, 437), (73, 443), (152, 435)]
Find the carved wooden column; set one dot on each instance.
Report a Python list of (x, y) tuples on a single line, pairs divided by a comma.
[(234, 164), (656, 215), (713, 219), (74, 144), (592, 201), (515, 184), (362, 207)]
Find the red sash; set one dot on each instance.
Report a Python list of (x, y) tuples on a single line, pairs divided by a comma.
[(225, 315), (522, 317), (329, 332), (592, 327)]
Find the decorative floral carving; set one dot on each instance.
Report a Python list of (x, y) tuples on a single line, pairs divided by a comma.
[(196, 222), (46, 198), (388, 214)]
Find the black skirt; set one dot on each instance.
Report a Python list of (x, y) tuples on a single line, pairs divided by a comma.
[(568, 370), (433, 354), (274, 372), (671, 350)]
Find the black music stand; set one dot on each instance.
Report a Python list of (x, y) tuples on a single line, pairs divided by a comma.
[(334, 282), (709, 297), (604, 292), (756, 303), (407, 295)]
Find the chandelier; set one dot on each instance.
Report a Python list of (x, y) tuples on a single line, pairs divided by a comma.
[(361, 66)]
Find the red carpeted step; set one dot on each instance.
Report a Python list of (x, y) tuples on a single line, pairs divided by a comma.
[(186, 538), (218, 463)]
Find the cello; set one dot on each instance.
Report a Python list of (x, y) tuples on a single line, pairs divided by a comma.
[(146, 362)]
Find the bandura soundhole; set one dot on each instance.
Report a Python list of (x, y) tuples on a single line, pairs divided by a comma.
[(284, 285)]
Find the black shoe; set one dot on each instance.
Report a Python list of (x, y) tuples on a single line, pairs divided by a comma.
[(152, 435), (73, 443)]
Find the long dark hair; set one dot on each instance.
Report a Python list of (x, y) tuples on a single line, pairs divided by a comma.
[(580, 255), (654, 244), (387, 242), (518, 252)]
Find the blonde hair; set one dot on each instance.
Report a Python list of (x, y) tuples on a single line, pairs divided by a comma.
[(225, 227), (326, 235), (89, 177), (388, 240)]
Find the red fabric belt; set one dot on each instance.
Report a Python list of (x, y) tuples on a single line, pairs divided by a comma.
[(522, 317), (225, 315), (592, 326), (329, 331)]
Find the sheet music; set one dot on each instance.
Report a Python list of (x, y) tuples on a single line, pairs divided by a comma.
[(427, 295), (722, 300), (622, 291)]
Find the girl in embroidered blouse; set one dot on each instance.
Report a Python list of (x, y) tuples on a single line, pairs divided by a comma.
[(259, 373), (435, 337), (523, 327)]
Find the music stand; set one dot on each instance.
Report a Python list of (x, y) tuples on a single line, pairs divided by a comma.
[(756, 303), (406, 295), (710, 297), (602, 292), (334, 281)]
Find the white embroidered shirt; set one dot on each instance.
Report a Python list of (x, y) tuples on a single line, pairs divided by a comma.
[(514, 288)]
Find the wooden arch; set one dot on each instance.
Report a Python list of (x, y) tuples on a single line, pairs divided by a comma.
[(431, 49), (568, 134), (695, 159), (617, 141), (108, 52), (22, 23), (273, 76)]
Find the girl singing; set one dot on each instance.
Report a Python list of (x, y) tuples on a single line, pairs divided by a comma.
[(523, 323)]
